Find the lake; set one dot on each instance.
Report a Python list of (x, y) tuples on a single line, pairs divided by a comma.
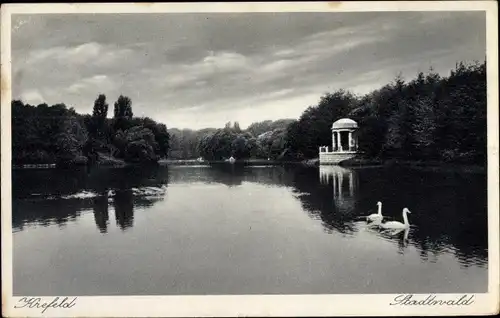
[(231, 229)]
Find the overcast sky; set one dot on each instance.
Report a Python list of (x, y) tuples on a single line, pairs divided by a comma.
[(202, 70)]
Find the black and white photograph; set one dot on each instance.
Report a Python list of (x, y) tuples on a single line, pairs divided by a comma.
[(250, 152)]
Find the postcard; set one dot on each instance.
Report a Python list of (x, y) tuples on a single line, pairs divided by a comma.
[(250, 159)]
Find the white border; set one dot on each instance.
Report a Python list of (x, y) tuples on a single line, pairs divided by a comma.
[(255, 305)]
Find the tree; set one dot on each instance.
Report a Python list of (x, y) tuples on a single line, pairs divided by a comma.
[(243, 145), (123, 107), (70, 141), (140, 145), (218, 145), (259, 128), (120, 143), (239, 147), (424, 128), (98, 125), (236, 127), (206, 146), (162, 138), (100, 107), (123, 113), (314, 126), (430, 117)]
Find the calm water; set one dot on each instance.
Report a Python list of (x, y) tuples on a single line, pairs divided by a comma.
[(246, 230)]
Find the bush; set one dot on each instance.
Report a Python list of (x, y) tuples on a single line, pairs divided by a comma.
[(140, 151), (79, 160)]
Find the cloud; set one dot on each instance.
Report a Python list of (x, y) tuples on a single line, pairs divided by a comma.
[(94, 83), (80, 55), (74, 55), (223, 61), (200, 70), (280, 65), (33, 97)]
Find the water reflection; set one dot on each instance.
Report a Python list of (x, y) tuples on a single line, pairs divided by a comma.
[(335, 196), (444, 220), (298, 231), (46, 212), (400, 236), (233, 175), (123, 190), (329, 197), (344, 183), (47, 183), (101, 213), (124, 209)]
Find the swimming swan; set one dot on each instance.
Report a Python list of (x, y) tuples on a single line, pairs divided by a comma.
[(376, 217), (398, 225), (395, 232)]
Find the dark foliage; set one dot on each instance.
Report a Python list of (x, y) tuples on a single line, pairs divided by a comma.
[(55, 134), (428, 118)]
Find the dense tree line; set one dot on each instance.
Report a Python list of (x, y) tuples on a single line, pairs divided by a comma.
[(56, 134), (184, 142), (46, 134), (266, 126), (313, 129), (261, 140), (428, 118), (227, 142)]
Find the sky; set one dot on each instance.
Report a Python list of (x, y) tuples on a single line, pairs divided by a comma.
[(197, 70)]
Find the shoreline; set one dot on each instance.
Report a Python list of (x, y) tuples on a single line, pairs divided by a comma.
[(354, 163), (428, 165)]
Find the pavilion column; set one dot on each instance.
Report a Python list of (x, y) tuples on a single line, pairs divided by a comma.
[(337, 140), (333, 141), (350, 140), (339, 144)]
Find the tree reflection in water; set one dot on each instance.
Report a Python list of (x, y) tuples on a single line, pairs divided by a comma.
[(449, 212), (50, 204), (124, 208), (46, 212), (101, 214), (444, 217)]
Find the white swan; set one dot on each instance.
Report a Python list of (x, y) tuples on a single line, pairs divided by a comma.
[(398, 225), (376, 217), (394, 232)]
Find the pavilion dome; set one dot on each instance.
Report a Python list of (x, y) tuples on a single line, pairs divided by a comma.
[(345, 123)]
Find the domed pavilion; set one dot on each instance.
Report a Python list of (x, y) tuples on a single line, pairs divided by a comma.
[(344, 142)]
